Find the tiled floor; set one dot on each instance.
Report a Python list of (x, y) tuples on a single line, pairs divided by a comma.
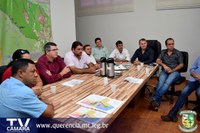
[(138, 118)]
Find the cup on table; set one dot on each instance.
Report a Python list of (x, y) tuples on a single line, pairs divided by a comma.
[(113, 87), (105, 80), (147, 69), (53, 89), (138, 67), (141, 64)]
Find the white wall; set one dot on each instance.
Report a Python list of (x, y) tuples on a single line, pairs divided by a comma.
[(145, 21), (63, 24)]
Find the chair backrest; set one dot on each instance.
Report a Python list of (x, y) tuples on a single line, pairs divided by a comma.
[(156, 46), (2, 69), (185, 61)]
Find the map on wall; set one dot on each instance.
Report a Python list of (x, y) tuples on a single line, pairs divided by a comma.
[(24, 24)]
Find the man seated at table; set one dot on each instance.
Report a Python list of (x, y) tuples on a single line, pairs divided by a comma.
[(17, 99), (143, 54), (171, 61), (120, 54), (23, 54), (78, 61), (88, 50), (193, 84), (51, 66), (99, 50)]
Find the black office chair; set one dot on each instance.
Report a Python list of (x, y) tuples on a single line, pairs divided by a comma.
[(2, 69), (172, 91), (155, 45), (195, 102)]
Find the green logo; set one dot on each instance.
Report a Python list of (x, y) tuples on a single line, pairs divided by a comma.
[(188, 121)]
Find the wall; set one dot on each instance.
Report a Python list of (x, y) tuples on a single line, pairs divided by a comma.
[(147, 22), (63, 24)]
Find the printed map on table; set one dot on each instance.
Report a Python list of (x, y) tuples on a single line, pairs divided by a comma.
[(101, 103), (88, 115)]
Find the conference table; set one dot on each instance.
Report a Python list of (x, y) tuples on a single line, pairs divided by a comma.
[(65, 98)]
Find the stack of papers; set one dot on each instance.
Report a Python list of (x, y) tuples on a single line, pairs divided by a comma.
[(120, 67), (72, 82), (101, 103), (88, 115), (134, 80), (95, 108)]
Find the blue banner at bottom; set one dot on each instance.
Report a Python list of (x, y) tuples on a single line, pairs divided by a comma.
[(45, 125)]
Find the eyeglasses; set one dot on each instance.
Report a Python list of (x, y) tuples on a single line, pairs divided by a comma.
[(170, 44), (54, 49)]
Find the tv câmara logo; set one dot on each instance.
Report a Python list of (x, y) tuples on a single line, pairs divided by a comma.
[(20, 127), (188, 121)]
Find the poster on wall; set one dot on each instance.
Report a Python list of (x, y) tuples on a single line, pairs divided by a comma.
[(24, 24), (96, 7), (176, 4)]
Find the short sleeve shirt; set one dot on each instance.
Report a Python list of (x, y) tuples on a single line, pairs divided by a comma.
[(92, 59), (71, 60), (18, 100), (100, 52), (124, 55), (172, 60)]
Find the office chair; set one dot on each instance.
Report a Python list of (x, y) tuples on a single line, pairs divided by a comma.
[(172, 91), (2, 69), (192, 101), (155, 45)]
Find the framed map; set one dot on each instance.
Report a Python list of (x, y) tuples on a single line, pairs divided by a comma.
[(95, 7), (176, 4), (24, 24)]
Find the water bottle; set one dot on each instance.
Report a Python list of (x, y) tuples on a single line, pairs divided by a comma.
[(103, 66), (110, 68)]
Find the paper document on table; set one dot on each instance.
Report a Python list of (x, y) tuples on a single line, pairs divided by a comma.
[(134, 80), (88, 115), (102, 103), (72, 82), (120, 67)]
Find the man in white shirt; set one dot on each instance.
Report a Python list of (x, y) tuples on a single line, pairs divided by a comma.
[(78, 61), (120, 54), (88, 50)]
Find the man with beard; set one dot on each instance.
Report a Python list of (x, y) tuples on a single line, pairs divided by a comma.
[(78, 61)]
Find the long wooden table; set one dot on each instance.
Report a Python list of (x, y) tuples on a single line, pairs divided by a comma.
[(65, 98)]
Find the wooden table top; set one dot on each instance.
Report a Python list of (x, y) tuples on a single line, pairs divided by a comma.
[(65, 98)]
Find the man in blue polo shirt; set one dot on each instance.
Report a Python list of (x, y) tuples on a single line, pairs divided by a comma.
[(17, 99)]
